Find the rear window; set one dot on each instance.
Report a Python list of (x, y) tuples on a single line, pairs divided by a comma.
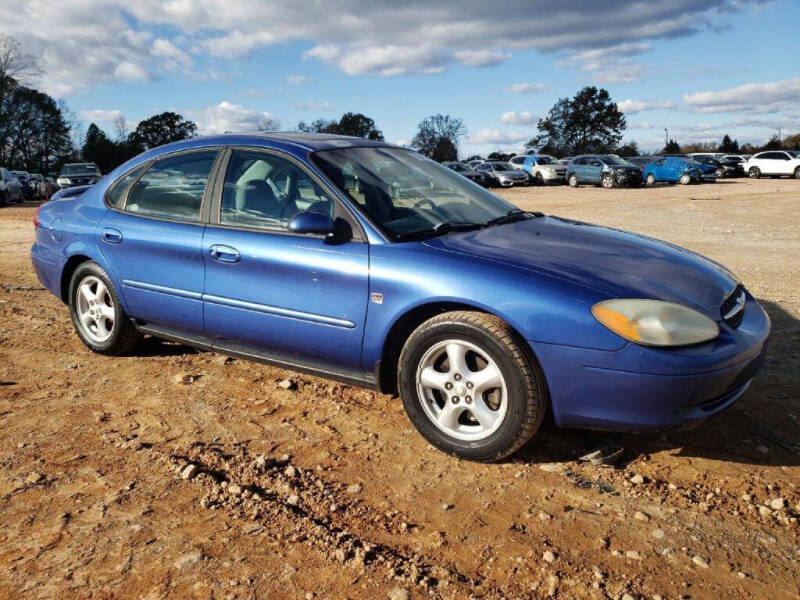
[(116, 192)]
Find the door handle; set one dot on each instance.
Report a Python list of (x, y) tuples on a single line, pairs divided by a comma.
[(111, 236), (224, 254)]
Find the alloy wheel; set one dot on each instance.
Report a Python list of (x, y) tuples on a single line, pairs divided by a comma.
[(462, 390), (95, 309)]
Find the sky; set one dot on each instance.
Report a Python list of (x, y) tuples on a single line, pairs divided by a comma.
[(700, 68)]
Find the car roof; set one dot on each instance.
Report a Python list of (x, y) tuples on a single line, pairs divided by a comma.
[(306, 141)]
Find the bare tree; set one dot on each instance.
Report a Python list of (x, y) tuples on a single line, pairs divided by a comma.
[(14, 63), (121, 130), (267, 124)]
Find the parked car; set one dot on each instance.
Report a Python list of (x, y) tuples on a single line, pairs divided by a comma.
[(734, 159), (484, 317), (703, 159), (774, 163), (10, 188), (78, 174), (641, 161), (465, 170), (71, 192), (607, 170), (672, 169), (501, 173), (28, 187), (474, 163), (545, 169), (50, 187)]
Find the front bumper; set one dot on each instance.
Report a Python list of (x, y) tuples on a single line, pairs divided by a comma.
[(638, 388)]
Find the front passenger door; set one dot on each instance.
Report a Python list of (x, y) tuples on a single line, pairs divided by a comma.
[(296, 298)]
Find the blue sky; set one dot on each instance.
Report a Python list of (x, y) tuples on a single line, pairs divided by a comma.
[(702, 68)]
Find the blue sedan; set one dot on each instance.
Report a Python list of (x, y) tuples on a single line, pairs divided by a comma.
[(368, 263), (675, 169)]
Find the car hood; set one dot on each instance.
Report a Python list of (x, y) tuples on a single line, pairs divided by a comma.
[(615, 263)]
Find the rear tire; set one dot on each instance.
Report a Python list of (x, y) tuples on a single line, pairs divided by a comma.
[(651, 179), (488, 400), (754, 173), (97, 312), (573, 181), (607, 182), (685, 179), (797, 173)]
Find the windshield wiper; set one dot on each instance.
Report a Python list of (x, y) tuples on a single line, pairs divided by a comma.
[(441, 228), (515, 214)]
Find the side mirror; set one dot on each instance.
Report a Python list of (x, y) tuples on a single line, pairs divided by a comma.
[(312, 221)]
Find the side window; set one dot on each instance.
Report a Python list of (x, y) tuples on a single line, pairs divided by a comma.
[(265, 191), (173, 187), (117, 190)]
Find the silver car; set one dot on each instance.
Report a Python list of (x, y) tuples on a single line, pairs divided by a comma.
[(10, 188), (503, 174)]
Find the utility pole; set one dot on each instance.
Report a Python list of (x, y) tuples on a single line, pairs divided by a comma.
[(666, 137)]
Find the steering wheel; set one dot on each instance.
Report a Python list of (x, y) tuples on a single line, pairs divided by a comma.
[(420, 203)]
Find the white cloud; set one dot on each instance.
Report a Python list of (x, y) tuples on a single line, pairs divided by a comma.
[(324, 105), (762, 98), (513, 117), (497, 137), (227, 116), (99, 115), (297, 79), (174, 56), (480, 58), (631, 107), (86, 42), (610, 64), (526, 88), (384, 60)]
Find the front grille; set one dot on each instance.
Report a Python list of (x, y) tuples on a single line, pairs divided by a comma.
[(732, 308)]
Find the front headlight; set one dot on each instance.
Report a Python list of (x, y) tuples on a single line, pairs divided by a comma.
[(655, 323), (549, 170), (64, 181)]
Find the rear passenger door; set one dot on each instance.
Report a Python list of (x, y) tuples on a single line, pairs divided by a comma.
[(151, 239)]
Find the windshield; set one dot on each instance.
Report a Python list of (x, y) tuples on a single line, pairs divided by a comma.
[(460, 167), (407, 195), (546, 160), (793, 153), (609, 159), (78, 169)]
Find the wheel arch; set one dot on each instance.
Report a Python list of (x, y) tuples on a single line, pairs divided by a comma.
[(405, 324), (73, 262)]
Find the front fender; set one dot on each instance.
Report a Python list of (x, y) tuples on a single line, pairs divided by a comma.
[(539, 307)]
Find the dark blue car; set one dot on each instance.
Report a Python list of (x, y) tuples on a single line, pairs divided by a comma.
[(369, 263)]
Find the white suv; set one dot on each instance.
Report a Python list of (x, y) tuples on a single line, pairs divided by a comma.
[(542, 168), (774, 163)]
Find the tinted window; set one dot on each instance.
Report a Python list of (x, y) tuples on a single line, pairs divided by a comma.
[(266, 191), (118, 189), (518, 160), (173, 187)]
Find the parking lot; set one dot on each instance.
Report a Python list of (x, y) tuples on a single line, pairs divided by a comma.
[(306, 488)]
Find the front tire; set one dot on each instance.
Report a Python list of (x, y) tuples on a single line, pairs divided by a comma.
[(651, 179), (797, 173), (97, 312), (607, 182), (573, 181), (470, 386), (754, 173)]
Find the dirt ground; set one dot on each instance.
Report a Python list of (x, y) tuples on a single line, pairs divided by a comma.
[(177, 473)]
